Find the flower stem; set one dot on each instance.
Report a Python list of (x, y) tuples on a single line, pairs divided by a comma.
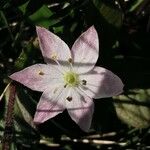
[(7, 137)]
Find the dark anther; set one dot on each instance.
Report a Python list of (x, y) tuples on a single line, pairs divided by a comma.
[(65, 85), (70, 60), (69, 98), (84, 82)]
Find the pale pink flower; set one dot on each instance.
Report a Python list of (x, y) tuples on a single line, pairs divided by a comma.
[(70, 79)]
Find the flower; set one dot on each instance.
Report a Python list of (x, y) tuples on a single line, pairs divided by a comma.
[(70, 79)]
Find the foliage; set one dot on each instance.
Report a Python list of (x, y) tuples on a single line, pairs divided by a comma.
[(123, 28)]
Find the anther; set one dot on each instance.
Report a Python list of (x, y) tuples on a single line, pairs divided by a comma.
[(69, 98), (65, 85), (41, 73), (84, 82), (54, 56), (70, 60)]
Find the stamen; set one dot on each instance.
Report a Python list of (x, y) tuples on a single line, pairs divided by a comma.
[(54, 56), (41, 73), (84, 82), (69, 98), (65, 85), (60, 67), (70, 60)]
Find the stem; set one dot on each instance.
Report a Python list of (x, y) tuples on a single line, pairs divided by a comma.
[(122, 6), (7, 25), (7, 137), (3, 93)]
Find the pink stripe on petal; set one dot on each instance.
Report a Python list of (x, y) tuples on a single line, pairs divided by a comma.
[(85, 51), (81, 109), (52, 46), (46, 110), (101, 83), (38, 77), (51, 104)]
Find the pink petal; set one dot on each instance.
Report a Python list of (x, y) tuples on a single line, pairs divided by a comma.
[(51, 45), (38, 77), (51, 104), (101, 83), (81, 109), (85, 51)]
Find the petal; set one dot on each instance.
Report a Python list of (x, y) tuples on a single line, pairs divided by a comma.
[(52, 46), (81, 109), (38, 77), (51, 104), (85, 51), (101, 83)]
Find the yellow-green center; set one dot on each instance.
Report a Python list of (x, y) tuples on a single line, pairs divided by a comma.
[(71, 78)]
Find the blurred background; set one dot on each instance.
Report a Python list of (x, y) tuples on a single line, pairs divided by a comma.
[(121, 122)]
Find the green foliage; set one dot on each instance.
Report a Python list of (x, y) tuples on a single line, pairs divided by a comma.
[(135, 5), (134, 108), (39, 16), (109, 11), (24, 57)]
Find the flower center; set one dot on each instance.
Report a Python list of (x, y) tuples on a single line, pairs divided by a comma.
[(71, 78)]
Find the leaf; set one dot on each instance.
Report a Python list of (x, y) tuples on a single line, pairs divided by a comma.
[(2, 22), (13, 146), (109, 12), (39, 16), (32, 7), (4, 3), (23, 130), (23, 113), (25, 107), (3, 110), (134, 108), (23, 58), (136, 4), (28, 56), (16, 3)]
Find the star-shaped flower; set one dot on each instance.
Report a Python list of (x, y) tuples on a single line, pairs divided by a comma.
[(70, 79)]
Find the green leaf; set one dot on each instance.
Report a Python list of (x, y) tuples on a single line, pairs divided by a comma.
[(23, 130), (109, 12), (4, 3), (13, 146), (3, 110), (134, 108), (23, 59), (136, 4), (39, 17), (32, 7), (23, 112), (28, 56), (2, 22), (25, 107)]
